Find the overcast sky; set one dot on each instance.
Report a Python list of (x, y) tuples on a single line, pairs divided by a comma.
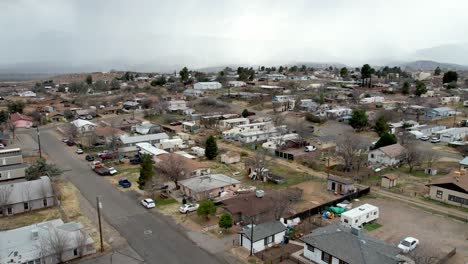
[(203, 33)]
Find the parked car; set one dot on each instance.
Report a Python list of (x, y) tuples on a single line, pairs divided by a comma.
[(112, 170), (102, 153), (96, 164), (103, 171), (106, 156), (79, 151), (135, 161), (2, 146), (89, 157), (175, 123), (148, 203), (435, 140), (424, 138), (187, 208), (309, 148), (275, 178), (70, 143), (65, 140), (161, 187), (408, 244), (124, 182)]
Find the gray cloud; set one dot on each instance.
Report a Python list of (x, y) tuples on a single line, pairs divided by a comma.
[(165, 34)]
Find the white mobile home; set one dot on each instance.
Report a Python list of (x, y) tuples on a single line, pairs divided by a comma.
[(230, 123), (207, 86), (232, 133), (256, 136), (360, 215)]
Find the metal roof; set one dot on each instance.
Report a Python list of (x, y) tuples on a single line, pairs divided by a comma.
[(264, 230)]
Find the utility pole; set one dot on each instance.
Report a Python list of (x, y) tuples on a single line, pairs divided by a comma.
[(251, 236), (99, 206), (39, 142)]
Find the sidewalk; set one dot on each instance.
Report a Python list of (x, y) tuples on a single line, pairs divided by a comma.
[(417, 202)]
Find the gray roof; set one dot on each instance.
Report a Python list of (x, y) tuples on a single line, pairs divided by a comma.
[(338, 241), (464, 161), (13, 167), (264, 230), (208, 182), (340, 179), (29, 190), (143, 138), (10, 152)]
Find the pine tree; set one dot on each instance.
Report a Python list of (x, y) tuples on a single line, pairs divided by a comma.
[(381, 126), (225, 221), (385, 140), (146, 170), (406, 88), (245, 113), (211, 148)]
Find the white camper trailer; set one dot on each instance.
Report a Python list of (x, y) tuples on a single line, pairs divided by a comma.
[(358, 216)]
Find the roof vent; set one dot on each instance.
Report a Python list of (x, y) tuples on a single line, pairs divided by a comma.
[(34, 234)]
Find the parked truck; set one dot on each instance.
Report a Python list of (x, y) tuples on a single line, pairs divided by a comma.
[(360, 215)]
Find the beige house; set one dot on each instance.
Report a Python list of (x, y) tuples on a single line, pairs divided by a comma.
[(230, 157), (192, 168), (208, 186), (451, 189), (389, 181)]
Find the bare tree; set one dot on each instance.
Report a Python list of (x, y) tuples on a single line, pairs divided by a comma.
[(172, 168), (258, 164), (423, 256), (71, 132), (413, 157), (430, 158), (300, 128), (283, 200), (5, 192), (349, 148), (12, 128), (54, 243)]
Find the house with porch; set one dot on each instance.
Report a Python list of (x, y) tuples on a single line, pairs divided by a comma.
[(208, 186)]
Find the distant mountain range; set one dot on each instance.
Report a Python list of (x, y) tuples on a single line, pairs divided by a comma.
[(428, 65)]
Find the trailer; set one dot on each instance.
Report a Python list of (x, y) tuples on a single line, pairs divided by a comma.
[(360, 215)]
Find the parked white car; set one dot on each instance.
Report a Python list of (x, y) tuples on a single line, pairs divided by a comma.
[(148, 203), (309, 148), (2, 146), (79, 151), (435, 140), (187, 208), (408, 244), (112, 171)]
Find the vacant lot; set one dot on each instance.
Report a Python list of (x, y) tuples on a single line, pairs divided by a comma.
[(434, 232), (314, 194)]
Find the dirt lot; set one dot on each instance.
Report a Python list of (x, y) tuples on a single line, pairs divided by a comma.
[(434, 232), (313, 195)]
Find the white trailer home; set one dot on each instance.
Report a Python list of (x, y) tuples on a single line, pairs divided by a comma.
[(360, 215)]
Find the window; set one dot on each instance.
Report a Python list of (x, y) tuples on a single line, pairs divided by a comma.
[(9, 210), (26, 206), (0, 174), (355, 221), (44, 201), (457, 199), (75, 252), (346, 220), (342, 262), (439, 194), (372, 156), (327, 258), (268, 240), (310, 248)]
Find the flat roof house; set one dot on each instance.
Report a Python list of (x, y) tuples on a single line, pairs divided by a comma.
[(129, 141), (336, 243), (339, 184), (84, 126), (264, 235), (207, 86), (208, 186), (451, 189), (452, 134), (37, 243), (440, 112), (11, 164)]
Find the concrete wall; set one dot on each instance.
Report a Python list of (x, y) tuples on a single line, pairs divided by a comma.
[(33, 205), (445, 195)]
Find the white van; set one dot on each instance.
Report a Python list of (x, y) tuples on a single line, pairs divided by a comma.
[(360, 215)]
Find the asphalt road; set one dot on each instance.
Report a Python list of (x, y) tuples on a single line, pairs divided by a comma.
[(153, 236)]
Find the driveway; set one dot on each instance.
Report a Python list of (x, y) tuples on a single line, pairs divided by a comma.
[(153, 236)]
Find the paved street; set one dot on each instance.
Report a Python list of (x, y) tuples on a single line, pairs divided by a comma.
[(153, 236)]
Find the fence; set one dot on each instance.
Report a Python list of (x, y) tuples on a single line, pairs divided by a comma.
[(315, 210)]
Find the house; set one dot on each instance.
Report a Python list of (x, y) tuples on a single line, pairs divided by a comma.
[(281, 141), (257, 136), (463, 163), (35, 243), (451, 189), (148, 128), (110, 110), (125, 124), (338, 112), (308, 105), (191, 168), (146, 148), (452, 134), (170, 144), (336, 243), (207, 86), (27, 94), (11, 164), (389, 181), (84, 126), (230, 123), (21, 121), (427, 130), (190, 127), (25, 196), (421, 76), (86, 114), (193, 93), (236, 84), (340, 185), (274, 76), (230, 157), (208, 186), (129, 141), (372, 100), (440, 112), (200, 152), (262, 236), (232, 133), (449, 100), (176, 106), (389, 155), (55, 117)]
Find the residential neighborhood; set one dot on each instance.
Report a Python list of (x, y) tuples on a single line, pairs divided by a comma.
[(231, 147)]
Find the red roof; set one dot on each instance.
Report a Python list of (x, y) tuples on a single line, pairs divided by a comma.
[(17, 117)]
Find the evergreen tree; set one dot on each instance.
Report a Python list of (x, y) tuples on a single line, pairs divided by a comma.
[(420, 88), (344, 72), (437, 71), (385, 140), (41, 168), (211, 148), (146, 170), (89, 79), (225, 221), (184, 74), (406, 88), (381, 126), (206, 208), (245, 113), (450, 76), (358, 119)]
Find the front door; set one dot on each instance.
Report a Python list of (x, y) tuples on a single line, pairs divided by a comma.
[(333, 186)]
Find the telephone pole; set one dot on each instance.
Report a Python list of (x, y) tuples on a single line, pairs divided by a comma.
[(99, 206), (251, 235), (39, 142)]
